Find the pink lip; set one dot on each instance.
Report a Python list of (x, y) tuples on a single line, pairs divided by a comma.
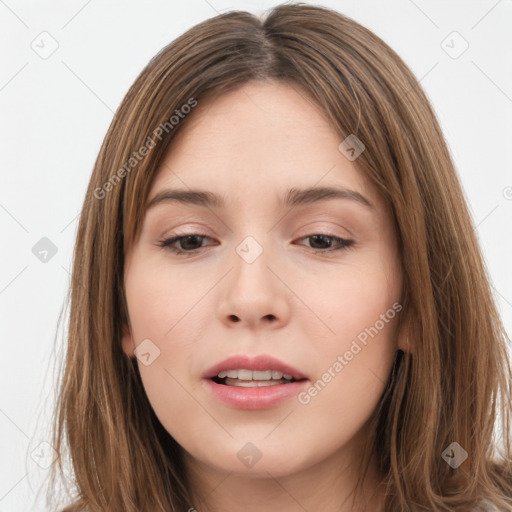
[(263, 397)]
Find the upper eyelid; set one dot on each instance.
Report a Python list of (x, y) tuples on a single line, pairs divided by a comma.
[(309, 228), (175, 236)]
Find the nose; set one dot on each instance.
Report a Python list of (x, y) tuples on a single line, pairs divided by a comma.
[(254, 295)]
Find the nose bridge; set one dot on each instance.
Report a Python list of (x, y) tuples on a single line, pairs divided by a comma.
[(251, 261), (254, 292)]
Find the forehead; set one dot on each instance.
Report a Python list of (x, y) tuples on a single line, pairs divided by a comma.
[(262, 137)]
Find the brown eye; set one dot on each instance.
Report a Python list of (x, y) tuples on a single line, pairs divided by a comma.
[(324, 243), (188, 243)]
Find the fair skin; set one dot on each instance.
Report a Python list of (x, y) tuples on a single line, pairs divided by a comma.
[(305, 308)]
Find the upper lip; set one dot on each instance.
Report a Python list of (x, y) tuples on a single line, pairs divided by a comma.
[(259, 363)]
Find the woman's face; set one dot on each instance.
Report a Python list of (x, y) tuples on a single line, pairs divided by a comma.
[(311, 280)]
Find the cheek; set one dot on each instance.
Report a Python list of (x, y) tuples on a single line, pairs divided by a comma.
[(159, 302), (360, 309), (355, 298), (353, 368), (170, 314)]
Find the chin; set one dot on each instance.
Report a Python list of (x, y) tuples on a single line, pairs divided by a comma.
[(258, 459)]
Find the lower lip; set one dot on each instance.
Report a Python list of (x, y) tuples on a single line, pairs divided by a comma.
[(264, 397)]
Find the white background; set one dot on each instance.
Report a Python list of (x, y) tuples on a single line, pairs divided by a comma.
[(54, 114)]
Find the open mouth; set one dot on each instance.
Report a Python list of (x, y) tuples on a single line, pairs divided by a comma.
[(246, 389), (253, 383)]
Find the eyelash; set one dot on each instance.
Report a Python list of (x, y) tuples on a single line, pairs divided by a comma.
[(167, 244)]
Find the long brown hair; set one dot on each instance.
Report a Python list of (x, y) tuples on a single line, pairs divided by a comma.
[(456, 385)]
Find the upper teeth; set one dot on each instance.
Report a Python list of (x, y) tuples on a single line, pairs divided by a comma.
[(254, 375)]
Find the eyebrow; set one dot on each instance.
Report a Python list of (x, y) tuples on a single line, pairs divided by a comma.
[(294, 197)]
